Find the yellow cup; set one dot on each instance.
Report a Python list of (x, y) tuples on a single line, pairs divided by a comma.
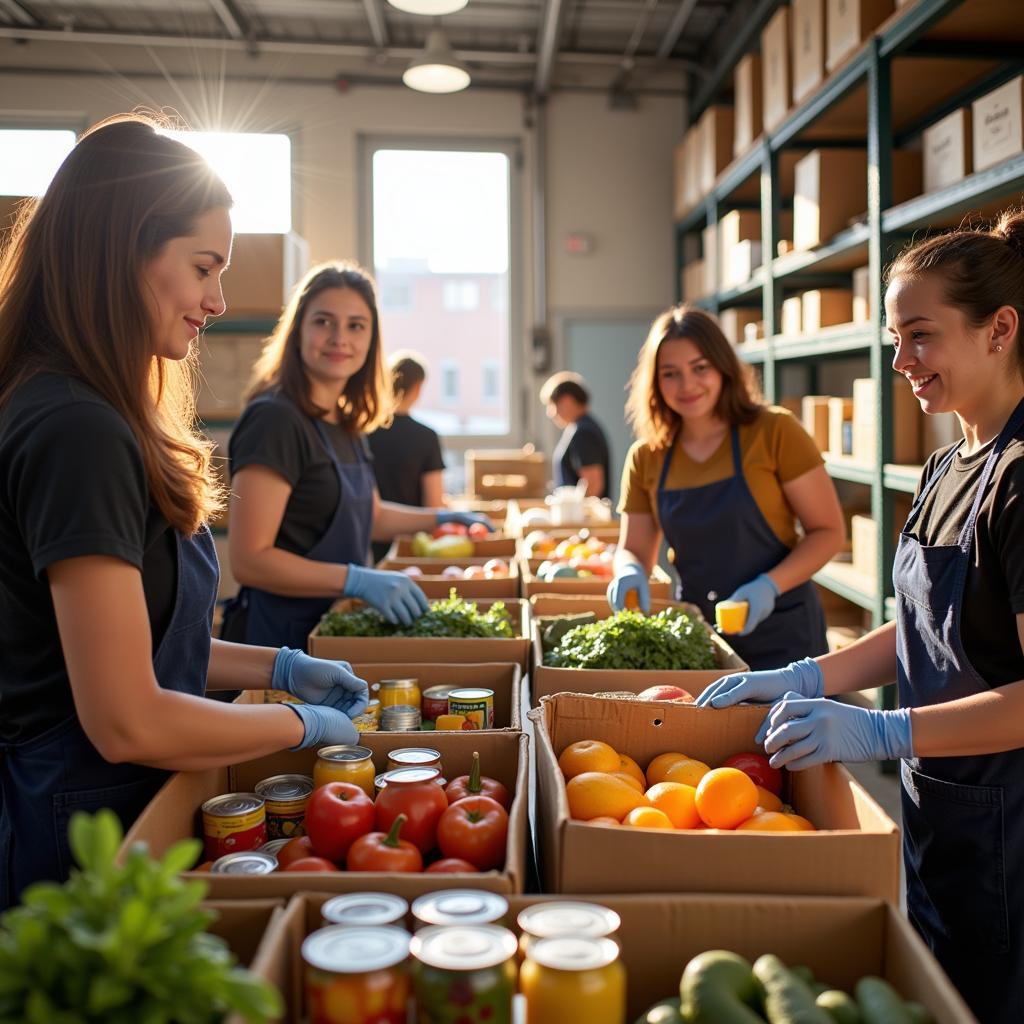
[(731, 616)]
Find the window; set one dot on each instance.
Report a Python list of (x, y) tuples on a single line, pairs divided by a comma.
[(489, 389), (395, 296), (449, 381), (29, 158), (461, 296)]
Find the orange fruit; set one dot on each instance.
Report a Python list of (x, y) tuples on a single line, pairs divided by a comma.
[(627, 764), (628, 777), (725, 797), (688, 771), (587, 756), (801, 823), (659, 767), (767, 800), (604, 820), (677, 801), (647, 817), (768, 821), (597, 795)]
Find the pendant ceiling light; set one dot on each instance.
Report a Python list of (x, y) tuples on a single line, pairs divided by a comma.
[(436, 69), (430, 8)]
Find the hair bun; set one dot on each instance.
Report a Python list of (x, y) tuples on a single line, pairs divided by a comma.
[(1010, 228)]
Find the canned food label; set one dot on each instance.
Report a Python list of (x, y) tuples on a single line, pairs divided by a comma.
[(221, 826), (478, 711), (230, 835)]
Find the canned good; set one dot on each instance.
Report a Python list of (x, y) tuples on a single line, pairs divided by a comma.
[(399, 691), (279, 697), (234, 821), (435, 702), (414, 757), (581, 920), (345, 764), (356, 975), (400, 718), (274, 846), (465, 972), (285, 797), (245, 862), (567, 978), (365, 909), (369, 720), (381, 781), (475, 704), (459, 906)]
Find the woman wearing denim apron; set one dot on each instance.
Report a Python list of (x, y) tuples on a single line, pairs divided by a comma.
[(954, 308), (108, 574)]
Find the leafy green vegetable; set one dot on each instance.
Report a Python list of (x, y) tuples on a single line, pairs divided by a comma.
[(122, 945), (452, 617), (630, 640)]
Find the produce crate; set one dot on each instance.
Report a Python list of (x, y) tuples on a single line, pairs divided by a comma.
[(506, 473), (174, 813), (431, 650), (661, 584), (492, 547), (437, 587), (609, 534), (856, 851), (545, 681), (596, 511), (495, 508)]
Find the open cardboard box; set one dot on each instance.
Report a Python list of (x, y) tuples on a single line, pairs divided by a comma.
[(660, 583), (546, 681), (438, 587), (429, 650), (856, 851), (840, 939), (175, 813), (596, 511), (490, 547)]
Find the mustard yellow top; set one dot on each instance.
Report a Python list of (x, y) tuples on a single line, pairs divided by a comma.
[(775, 449)]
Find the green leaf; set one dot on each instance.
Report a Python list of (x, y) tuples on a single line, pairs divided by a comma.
[(181, 856), (94, 841)]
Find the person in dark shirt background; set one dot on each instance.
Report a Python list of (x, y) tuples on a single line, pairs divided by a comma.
[(407, 460), (582, 451)]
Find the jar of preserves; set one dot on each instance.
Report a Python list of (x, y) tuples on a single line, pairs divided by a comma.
[(459, 906), (362, 909), (399, 691), (414, 757), (565, 917), (369, 720), (569, 978), (345, 764), (435, 702)]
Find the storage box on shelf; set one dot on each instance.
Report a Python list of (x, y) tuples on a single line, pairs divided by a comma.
[(825, 307), (807, 20), (906, 421), (734, 322), (739, 244), (506, 473), (998, 124), (814, 415), (792, 320), (840, 427), (264, 269), (715, 132), (680, 191), (947, 149), (695, 281), (660, 583), (776, 90), (747, 120), (710, 258), (864, 538), (225, 366), (436, 585), (848, 23), (861, 295)]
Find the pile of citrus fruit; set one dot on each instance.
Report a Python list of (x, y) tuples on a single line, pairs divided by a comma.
[(605, 787)]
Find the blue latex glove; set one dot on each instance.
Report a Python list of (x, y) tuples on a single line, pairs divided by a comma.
[(393, 594), (447, 515), (331, 684), (631, 578), (760, 595), (800, 733), (802, 677), (324, 727)]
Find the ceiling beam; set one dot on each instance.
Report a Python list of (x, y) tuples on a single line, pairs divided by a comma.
[(378, 26), (676, 28), (19, 13), (549, 39), (230, 17)]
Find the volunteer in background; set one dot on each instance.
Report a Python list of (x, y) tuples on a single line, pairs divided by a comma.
[(407, 460), (728, 481), (582, 450), (304, 505), (108, 573), (954, 307)]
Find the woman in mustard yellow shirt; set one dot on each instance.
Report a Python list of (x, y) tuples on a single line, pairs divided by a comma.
[(738, 489)]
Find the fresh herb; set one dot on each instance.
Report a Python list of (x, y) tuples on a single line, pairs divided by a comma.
[(629, 640), (122, 945), (452, 617)]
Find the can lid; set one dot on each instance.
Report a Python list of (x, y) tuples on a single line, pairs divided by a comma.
[(228, 804), (245, 862), (460, 906), (344, 950), (586, 920), (364, 908), (470, 693), (381, 781), (568, 953), (387, 684), (285, 787), (345, 752), (441, 690), (403, 776), (411, 757), (464, 947)]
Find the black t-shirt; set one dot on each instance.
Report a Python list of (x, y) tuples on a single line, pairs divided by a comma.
[(994, 591), (583, 444), (274, 432), (72, 483)]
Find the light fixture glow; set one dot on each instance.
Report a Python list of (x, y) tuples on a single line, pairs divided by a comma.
[(429, 8), (436, 70)]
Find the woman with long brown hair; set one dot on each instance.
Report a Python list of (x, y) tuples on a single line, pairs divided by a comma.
[(728, 481), (304, 505), (108, 574)]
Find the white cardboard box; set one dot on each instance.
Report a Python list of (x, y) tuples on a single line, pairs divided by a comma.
[(848, 23), (747, 121), (997, 124), (808, 24), (775, 70), (947, 148)]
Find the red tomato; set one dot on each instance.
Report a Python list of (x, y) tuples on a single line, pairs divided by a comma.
[(479, 532), (451, 866), (385, 851), (422, 803), (336, 816), (475, 784), (311, 864), (759, 770), (450, 530), (295, 849), (475, 829)]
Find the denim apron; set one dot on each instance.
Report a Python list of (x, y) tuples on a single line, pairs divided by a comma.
[(276, 621), (963, 817), (43, 781), (721, 540)]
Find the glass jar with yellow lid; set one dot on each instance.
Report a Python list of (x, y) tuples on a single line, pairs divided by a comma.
[(399, 691), (345, 764)]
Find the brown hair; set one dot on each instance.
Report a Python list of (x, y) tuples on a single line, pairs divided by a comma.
[(564, 383), (72, 300), (365, 402), (981, 270), (646, 410), (407, 370)]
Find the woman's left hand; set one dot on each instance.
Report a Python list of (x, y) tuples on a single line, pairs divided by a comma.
[(464, 518), (760, 595), (318, 681)]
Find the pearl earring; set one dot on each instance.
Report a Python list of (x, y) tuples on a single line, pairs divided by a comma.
[(999, 348)]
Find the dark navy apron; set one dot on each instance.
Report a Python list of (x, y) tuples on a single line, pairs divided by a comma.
[(276, 621), (963, 817), (46, 779), (721, 540)]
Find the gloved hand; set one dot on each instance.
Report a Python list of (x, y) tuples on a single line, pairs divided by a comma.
[(393, 594), (447, 515), (802, 677), (799, 733), (318, 681), (760, 595), (630, 579), (324, 726)]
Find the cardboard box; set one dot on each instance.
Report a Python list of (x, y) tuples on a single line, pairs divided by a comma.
[(431, 650), (694, 188), (506, 473), (826, 307), (660, 583), (775, 70), (815, 418), (864, 544), (743, 259), (856, 851), (807, 20), (937, 431), (694, 281), (792, 320), (528, 514), (545, 681), (747, 119), (264, 270), (174, 813), (715, 131), (734, 322), (490, 547), (906, 424), (862, 295), (680, 192), (438, 587), (831, 188), (849, 23), (840, 427), (225, 365), (709, 244), (947, 150), (998, 124)]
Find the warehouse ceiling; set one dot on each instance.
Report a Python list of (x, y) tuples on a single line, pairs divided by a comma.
[(627, 47)]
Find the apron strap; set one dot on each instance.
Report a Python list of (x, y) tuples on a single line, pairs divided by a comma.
[(667, 460), (940, 471)]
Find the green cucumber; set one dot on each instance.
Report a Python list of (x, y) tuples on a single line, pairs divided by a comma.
[(880, 1003), (717, 988), (804, 973), (918, 1014), (665, 1012), (788, 1000), (841, 1007)]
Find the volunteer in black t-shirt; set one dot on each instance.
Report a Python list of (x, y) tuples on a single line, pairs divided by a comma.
[(108, 573), (407, 460), (582, 450), (304, 505), (954, 306)]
